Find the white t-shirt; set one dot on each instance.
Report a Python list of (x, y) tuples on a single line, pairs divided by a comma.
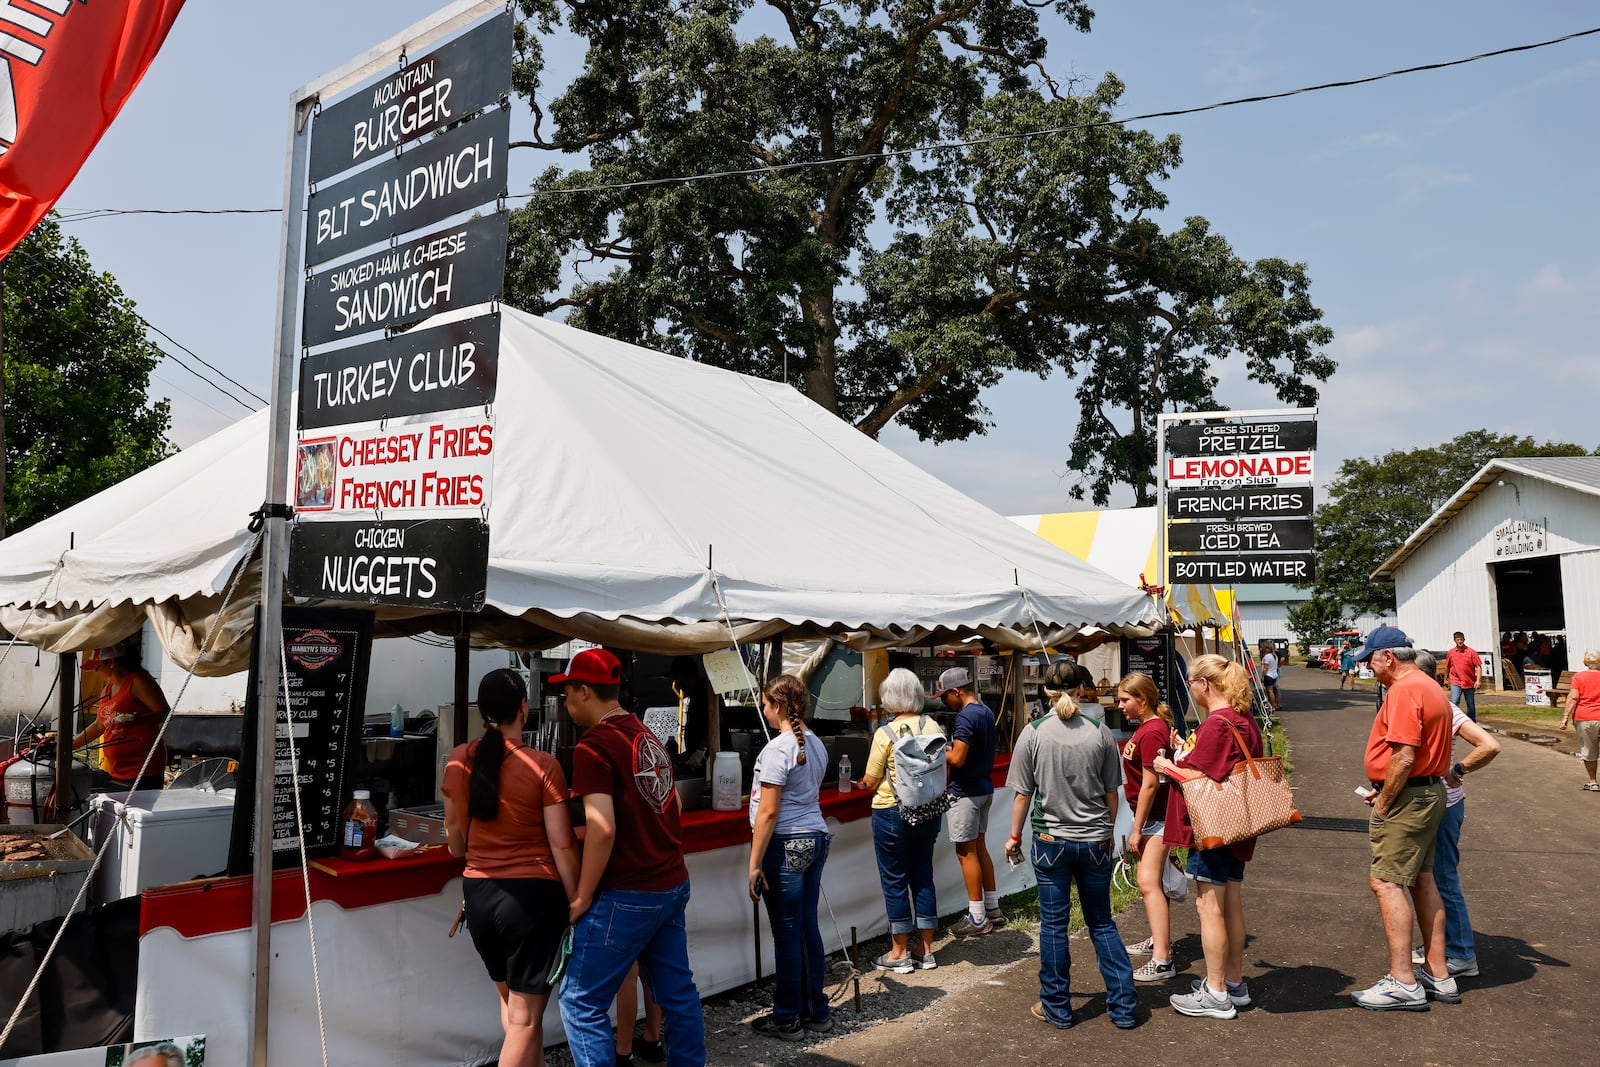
[(799, 811), (1455, 794), (1269, 665)]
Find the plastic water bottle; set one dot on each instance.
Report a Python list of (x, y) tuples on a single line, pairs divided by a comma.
[(397, 721), (845, 784)]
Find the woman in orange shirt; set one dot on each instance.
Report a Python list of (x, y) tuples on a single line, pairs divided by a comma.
[(505, 810), (1583, 711), (127, 721)]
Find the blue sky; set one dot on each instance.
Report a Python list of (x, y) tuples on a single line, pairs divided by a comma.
[(1448, 218)]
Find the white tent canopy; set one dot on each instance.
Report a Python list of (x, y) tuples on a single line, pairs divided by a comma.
[(629, 488)]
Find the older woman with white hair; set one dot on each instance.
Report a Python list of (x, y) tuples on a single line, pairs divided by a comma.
[(1582, 710), (165, 1054), (904, 849)]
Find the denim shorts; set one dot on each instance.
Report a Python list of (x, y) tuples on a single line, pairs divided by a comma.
[(1215, 866)]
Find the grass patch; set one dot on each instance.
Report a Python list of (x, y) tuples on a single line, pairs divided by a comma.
[(1278, 745), (1549, 718), (1022, 909)]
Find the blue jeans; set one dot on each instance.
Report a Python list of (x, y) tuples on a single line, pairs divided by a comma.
[(1469, 704), (793, 866), (1058, 864), (905, 867), (621, 926), (1458, 942)]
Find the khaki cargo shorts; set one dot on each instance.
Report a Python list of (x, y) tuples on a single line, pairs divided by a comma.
[(1402, 844)]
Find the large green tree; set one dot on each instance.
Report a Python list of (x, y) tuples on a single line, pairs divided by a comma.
[(77, 367), (1375, 504), (890, 286)]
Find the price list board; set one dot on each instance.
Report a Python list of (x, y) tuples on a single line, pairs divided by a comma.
[(329, 654)]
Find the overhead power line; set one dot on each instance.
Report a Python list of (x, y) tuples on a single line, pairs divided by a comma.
[(1050, 131), (36, 260)]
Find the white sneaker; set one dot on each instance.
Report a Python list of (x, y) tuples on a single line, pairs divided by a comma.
[(1154, 972), (1455, 966), (1141, 948), (1238, 995), (1441, 989), (1203, 1003), (1389, 995)]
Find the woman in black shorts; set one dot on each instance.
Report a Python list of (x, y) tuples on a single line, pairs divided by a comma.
[(505, 810)]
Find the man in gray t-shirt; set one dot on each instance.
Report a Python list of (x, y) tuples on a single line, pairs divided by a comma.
[(1073, 771)]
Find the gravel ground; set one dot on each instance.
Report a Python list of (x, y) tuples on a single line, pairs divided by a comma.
[(884, 996)]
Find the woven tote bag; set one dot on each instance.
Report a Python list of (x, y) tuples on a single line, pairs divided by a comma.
[(1253, 800)]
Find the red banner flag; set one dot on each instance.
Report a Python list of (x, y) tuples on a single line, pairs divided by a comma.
[(66, 69)]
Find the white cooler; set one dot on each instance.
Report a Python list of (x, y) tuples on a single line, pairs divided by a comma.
[(164, 836)]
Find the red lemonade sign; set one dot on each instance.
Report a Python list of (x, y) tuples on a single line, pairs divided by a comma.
[(1216, 472)]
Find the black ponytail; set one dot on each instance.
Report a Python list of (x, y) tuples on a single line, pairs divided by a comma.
[(500, 697)]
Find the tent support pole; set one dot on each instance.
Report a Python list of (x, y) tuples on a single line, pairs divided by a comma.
[(274, 556), (463, 660), (65, 727)]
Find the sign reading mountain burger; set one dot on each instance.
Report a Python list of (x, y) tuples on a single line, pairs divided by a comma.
[(1240, 492), (461, 77)]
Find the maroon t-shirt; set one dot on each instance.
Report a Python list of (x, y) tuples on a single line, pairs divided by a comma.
[(1215, 754), (1139, 752), (621, 758)]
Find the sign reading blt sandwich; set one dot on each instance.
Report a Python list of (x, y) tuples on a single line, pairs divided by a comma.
[(1237, 496)]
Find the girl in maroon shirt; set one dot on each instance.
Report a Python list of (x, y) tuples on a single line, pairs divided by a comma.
[(1141, 702), (1221, 689)]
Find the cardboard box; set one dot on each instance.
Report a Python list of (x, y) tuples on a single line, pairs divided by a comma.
[(423, 824)]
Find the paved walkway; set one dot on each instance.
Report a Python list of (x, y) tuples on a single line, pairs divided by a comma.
[(1531, 856)]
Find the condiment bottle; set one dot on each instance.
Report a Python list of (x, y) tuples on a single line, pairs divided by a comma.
[(359, 837)]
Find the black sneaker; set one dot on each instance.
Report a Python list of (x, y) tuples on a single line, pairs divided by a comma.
[(818, 1026), (783, 1030), (625, 1060), (649, 1051)]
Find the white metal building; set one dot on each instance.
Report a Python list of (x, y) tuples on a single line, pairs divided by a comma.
[(1515, 549)]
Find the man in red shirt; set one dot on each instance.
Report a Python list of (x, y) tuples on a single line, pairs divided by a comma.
[(1408, 755), (1463, 667), (630, 904)]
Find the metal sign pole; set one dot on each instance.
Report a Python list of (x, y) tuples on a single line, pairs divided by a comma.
[(269, 638)]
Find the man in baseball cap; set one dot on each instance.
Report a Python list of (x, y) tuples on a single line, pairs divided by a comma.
[(952, 679), (970, 759), (1407, 757), (630, 900)]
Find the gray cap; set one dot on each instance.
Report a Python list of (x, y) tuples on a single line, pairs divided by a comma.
[(954, 678)]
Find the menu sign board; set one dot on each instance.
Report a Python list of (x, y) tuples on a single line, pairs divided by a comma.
[(433, 563), (1227, 472), (1253, 535), (1238, 499), (440, 177), (1295, 568), (1290, 502), (433, 467), (1241, 438), (328, 651), (455, 267), (451, 366), (1151, 656), (457, 79)]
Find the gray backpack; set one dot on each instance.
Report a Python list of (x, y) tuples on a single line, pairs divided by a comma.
[(919, 772)]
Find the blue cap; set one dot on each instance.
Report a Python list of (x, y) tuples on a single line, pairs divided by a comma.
[(1381, 638)]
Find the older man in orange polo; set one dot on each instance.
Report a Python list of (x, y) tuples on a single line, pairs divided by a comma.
[(1408, 755)]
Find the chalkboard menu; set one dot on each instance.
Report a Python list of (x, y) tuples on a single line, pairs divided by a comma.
[(329, 653), (1155, 656)]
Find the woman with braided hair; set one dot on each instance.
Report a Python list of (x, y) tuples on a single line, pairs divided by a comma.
[(789, 844)]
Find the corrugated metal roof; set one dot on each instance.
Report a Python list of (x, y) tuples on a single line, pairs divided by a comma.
[(1579, 473)]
